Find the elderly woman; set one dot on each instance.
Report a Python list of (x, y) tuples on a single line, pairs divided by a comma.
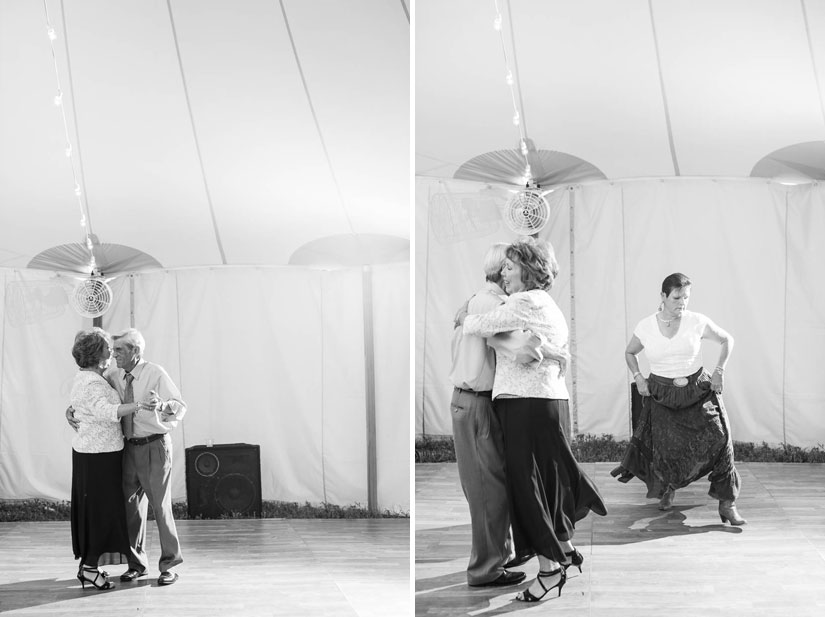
[(98, 524), (683, 432), (547, 490)]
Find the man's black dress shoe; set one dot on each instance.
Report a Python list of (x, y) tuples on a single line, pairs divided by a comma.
[(504, 579), (167, 578), (518, 560), (131, 575)]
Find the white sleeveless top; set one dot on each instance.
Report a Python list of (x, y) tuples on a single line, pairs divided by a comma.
[(674, 357)]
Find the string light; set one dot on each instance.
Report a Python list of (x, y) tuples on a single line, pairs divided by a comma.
[(69, 150), (511, 82)]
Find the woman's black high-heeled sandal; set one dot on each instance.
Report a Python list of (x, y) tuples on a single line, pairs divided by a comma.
[(526, 596), (94, 581), (576, 559)]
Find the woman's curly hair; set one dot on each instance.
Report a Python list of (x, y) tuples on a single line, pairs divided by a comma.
[(539, 267), (89, 347)]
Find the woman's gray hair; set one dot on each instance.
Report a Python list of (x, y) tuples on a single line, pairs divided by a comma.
[(539, 267), (88, 347)]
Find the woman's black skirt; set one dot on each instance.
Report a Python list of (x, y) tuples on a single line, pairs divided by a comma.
[(683, 434), (99, 533), (546, 488)]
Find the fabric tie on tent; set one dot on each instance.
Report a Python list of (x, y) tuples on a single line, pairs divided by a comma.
[(129, 397)]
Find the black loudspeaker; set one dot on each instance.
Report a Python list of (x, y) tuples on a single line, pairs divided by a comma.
[(223, 480)]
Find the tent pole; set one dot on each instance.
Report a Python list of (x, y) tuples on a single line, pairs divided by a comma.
[(369, 375), (574, 402)]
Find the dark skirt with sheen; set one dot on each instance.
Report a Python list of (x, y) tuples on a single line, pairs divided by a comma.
[(99, 534), (683, 434), (546, 488)]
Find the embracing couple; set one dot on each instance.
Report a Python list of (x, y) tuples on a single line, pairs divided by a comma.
[(525, 489)]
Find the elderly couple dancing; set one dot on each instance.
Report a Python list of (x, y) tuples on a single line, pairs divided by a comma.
[(523, 485), (121, 457)]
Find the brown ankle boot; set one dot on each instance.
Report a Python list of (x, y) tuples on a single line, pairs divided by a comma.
[(727, 512)]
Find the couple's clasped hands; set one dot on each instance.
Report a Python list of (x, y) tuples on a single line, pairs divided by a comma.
[(152, 403)]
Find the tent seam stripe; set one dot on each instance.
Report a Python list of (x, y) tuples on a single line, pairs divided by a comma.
[(195, 134), (671, 143), (813, 59), (317, 123)]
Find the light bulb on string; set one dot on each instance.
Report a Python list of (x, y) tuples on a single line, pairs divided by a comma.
[(509, 78), (497, 23), (516, 119), (524, 147), (77, 190), (68, 150), (83, 220), (52, 34), (58, 99)]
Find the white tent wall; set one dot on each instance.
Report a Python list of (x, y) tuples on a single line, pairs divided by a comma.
[(272, 356), (748, 245)]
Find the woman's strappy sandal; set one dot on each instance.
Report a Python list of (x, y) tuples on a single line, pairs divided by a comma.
[(526, 596), (84, 570)]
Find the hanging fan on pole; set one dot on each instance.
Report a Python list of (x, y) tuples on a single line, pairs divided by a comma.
[(526, 212), (91, 297), (525, 171)]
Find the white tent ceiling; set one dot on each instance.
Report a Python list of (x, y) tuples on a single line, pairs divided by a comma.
[(636, 88), (203, 132)]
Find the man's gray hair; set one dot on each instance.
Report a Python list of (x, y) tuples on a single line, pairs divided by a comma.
[(133, 338), (494, 261)]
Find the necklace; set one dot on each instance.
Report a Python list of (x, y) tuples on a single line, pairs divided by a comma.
[(667, 322)]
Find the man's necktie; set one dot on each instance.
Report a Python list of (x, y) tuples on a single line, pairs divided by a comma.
[(128, 397)]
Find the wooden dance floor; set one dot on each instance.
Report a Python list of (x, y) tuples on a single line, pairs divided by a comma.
[(640, 561), (243, 568)]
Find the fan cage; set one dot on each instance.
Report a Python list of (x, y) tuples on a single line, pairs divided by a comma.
[(527, 212), (91, 298)]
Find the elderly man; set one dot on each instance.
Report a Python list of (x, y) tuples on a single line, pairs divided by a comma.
[(479, 447), (147, 453)]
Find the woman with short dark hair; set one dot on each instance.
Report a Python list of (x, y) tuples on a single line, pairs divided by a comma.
[(683, 432), (98, 516), (547, 490)]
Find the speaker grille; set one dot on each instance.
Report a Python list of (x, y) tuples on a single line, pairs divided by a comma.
[(223, 480), (207, 464), (235, 493)]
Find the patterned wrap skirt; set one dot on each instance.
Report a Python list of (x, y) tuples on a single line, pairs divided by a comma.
[(683, 434)]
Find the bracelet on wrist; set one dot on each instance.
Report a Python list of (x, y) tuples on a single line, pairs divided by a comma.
[(636, 374), (719, 370)]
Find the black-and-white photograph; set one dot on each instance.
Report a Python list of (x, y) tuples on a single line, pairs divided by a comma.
[(619, 310), (205, 308)]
